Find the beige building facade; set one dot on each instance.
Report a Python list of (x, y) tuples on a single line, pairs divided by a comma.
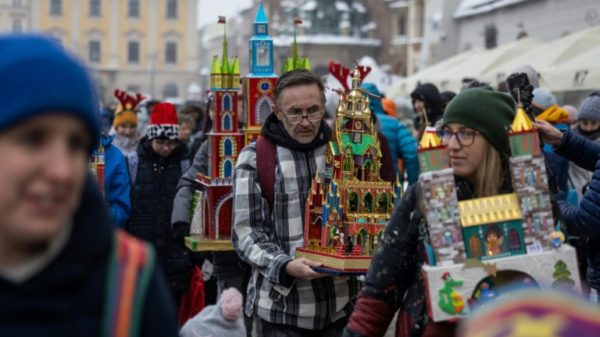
[(147, 46)]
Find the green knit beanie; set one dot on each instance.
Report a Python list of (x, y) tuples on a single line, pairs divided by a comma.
[(486, 111)]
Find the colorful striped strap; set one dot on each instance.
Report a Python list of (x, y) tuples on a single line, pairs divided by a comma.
[(129, 271)]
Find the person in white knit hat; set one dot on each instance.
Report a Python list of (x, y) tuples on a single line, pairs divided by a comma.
[(223, 319)]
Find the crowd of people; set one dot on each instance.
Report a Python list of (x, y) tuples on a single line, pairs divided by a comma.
[(81, 259)]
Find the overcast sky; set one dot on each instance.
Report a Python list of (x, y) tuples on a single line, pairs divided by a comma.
[(210, 10)]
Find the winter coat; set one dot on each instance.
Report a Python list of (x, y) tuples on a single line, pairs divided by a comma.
[(154, 181), (67, 297), (394, 279), (580, 176), (402, 145), (558, 165), (584, 220), (117, 186)]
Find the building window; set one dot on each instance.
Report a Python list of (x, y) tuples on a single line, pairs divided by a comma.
[(56, 7), (133, 52), (133, 88), (228, 147), (95, 6), (171, 53), (95, 51), (402, 23), (171, 9), (16, 25), (133, 8), (226, 103)]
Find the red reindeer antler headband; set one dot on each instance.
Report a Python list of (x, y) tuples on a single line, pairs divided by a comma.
[(127, 101), (341, 73)]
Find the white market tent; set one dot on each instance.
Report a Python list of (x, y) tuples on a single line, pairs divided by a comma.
[(580, 73), (570, 63), (551, 57), (448, 74)]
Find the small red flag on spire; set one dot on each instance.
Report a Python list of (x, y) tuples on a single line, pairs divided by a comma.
[(297, 21), (221, 19)]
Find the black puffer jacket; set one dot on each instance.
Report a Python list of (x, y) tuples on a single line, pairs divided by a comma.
[(152, 198)]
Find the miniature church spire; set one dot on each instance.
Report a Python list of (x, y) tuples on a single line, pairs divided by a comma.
[(522, 122), (295, 61)]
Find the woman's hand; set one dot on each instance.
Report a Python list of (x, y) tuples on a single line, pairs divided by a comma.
[(549, 133)]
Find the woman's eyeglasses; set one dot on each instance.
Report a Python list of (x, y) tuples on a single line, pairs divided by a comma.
[(465, 137)]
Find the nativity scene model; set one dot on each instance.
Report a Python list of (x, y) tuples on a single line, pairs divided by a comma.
[(477, 245), (349, 204)]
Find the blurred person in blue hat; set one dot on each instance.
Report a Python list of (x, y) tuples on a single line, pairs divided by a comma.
[(64, 270)]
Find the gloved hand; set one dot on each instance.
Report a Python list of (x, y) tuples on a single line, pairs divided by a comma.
[(181, 229)]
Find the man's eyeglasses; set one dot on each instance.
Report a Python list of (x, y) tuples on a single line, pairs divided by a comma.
[(295, 116), (465, 137)]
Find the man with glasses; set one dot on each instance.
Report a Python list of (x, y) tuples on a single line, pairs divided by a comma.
[(287, 296)]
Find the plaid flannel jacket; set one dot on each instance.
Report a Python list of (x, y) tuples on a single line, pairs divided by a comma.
[(267, 240)]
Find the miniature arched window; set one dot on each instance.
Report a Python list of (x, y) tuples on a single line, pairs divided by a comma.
[(227, 169), (264, 110), (382, 202), (368, 202), (348, 163), (353, 202), (366, 169), (227, 122), (349, 106), (362, 240), (226, 103), (228, 147)]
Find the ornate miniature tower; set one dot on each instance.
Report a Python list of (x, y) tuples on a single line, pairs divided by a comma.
[(260, 82), (225, 141), (348, 207), (530, 182), (439, 200)]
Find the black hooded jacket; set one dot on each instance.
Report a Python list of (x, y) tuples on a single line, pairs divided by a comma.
[(434, 104)]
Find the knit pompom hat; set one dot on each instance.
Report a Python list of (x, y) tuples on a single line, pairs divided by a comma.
[(40, 77), (163, 122), (543, 98), (590, 108), (485, 110), (126, 110), (221, 320)]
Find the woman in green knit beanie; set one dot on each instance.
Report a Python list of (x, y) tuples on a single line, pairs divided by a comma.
[(474, 130)]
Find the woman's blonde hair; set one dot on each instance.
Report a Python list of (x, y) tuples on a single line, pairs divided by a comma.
[(490, 173)]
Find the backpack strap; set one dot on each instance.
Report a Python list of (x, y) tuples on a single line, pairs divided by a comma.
[(129, 271), (266, 152)]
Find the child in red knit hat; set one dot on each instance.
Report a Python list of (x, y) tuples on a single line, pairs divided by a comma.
[(155, 168)]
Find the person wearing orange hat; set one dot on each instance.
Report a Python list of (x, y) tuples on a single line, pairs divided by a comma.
[(155, 168), (389, 107)]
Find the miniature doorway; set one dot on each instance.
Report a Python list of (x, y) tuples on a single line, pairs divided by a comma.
[(362, 241), (368, 202), (382, 203)]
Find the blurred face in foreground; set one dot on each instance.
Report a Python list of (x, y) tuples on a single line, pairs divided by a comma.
[(42, 173)]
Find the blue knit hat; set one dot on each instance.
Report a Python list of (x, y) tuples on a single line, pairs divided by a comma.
[(39, 76), (375, 95), (590, 108)]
